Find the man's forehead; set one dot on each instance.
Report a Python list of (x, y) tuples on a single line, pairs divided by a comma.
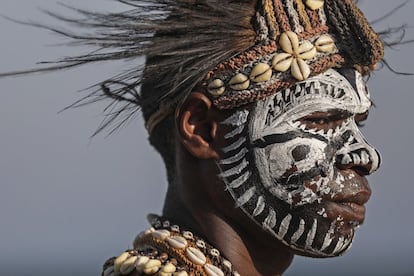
[(326, 92)]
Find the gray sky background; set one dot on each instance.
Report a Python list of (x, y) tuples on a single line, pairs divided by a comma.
[(67, 202)]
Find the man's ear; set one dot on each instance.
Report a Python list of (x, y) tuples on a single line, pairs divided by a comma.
[(197, 126)]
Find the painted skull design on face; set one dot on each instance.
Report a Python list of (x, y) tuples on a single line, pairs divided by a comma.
[(295, 162)]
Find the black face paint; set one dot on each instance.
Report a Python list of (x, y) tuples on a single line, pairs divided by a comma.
[(280, 172)]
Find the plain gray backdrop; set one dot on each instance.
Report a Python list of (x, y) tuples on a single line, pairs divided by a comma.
[(68, 202)]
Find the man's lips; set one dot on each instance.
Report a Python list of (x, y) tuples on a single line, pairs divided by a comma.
[(345, 211), (348, 203)]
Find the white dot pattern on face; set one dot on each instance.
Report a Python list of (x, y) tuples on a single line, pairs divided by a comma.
[(287, 152)]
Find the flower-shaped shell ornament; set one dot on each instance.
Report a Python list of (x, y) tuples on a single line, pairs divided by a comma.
[(294, 56)]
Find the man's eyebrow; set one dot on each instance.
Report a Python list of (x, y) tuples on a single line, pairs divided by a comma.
[(332, 113), (283, 138)]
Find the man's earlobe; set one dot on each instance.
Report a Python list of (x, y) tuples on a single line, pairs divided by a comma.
[(197, 127)]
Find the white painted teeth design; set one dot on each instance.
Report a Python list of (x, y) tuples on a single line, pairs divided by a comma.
[(284, 226), (326, 242), (337, 129), (364, 157), (346, 159), (313, 131), (270, 221), (237, 119), (311, 235), (338, 246), (356, 158), (299, 90), (321, 132), (239, 181), (303, 127), (235, 132), (260, 206), (313, 90), (336, 92), (296, 124), (235, 170), (235, 158), (330, 89), (279, 98), (235, 145), (296, 236), (330, 133), (245, 197), (287, 94)]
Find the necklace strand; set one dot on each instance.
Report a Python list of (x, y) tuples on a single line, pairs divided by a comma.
[(168, 250)]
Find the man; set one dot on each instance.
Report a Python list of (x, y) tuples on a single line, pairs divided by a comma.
[(254, 107)]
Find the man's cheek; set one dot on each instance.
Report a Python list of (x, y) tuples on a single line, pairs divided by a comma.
[(296, 157)]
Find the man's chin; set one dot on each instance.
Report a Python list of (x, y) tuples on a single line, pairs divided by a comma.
[(340, 243), (319, 255)]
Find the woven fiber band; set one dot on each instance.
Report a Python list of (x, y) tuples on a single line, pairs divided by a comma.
[(294, 40)]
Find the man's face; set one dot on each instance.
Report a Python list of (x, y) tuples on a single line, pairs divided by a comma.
[(295, 162)]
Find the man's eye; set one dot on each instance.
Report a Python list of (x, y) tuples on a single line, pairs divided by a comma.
[(324, 120), (316, 121), (361, 118)]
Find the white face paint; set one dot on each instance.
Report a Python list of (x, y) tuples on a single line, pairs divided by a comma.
[(300, 183)]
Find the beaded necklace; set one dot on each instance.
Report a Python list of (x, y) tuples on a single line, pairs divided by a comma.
[(166, 249)]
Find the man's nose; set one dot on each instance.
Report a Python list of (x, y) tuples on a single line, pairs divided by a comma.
[(358, 155)]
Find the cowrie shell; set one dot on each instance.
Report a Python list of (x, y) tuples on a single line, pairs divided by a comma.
[(152, 266), (289, 42), (306, 50), (161, 234), (128, 266), (300, 69), (239, 82), (227, 263), (325, 44), (212, 270), (196, 256), (314, 4), (261, 72), (168, 268), (142, 260), (119, 261), (282, 62), (177, 242), (216, 87)]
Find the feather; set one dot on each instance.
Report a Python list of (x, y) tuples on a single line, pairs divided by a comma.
[(182, 40)]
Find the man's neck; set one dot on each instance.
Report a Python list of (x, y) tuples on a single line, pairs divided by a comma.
[(249, 255)]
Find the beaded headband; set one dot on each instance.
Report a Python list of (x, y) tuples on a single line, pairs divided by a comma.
[(295, 39)]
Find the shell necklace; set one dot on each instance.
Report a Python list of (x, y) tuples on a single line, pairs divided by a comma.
[(167, 250)]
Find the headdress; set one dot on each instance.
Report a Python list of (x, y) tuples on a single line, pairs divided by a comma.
[(235, 51), (285, 41)]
